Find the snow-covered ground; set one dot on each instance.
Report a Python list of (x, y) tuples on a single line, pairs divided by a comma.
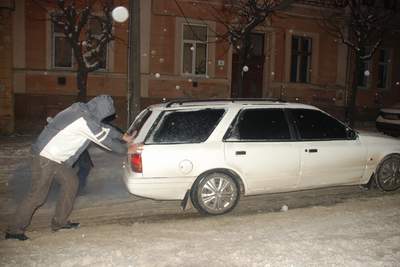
[(343, 226), (360, 232)]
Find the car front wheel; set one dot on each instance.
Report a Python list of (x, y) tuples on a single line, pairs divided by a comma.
[(387, 175), (216, 193)]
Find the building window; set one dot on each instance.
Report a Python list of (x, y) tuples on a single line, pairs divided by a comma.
[(62, 51), (301, 59), (390, 4), (194, 59), (363, 74), (383, 68), (364, 71), (368, 2), (95, 33)]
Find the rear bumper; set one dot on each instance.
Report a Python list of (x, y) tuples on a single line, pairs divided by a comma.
[(158, 188)]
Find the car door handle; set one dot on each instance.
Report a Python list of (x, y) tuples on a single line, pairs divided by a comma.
[(240, 152), (312, 150)]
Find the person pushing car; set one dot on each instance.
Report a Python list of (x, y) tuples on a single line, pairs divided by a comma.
[(55, 151)]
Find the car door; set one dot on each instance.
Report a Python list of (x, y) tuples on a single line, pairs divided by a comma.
[(331, 153), (259, 145)]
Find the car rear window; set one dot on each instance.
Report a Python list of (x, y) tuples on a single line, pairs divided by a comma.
[(184, 126)]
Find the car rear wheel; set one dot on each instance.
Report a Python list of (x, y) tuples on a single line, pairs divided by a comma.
[(387, 175), (215, 193)]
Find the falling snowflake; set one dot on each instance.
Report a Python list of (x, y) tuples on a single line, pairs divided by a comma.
[(245, 68), (157, 75), (366, 73)]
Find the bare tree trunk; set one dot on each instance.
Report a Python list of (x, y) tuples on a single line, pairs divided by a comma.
[(352, 108), (81, 80)]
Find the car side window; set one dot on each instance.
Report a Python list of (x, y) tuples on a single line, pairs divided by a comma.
[(316, 125), (185, 126), (259, 125)]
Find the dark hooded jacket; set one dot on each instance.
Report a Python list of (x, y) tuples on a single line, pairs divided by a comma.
[(69, 133)]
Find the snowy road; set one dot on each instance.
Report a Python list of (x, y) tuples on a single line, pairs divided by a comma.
[(358, 232), (343, 226)]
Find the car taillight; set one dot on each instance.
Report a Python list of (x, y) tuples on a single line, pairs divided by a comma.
[(136, 162)]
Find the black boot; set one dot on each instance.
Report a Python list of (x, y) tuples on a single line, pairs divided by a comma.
[(68, 225), (21, 237)]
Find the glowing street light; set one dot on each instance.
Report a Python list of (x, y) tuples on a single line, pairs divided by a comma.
[(120, 14)]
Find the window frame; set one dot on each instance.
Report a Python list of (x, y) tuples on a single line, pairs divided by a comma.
[(387, 65), (299, 54), (194, 52), (234, 123), (106, 67), (368, 65), (54, 36)]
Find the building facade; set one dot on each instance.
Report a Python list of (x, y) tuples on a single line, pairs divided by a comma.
[(6, 93), (183, 56)]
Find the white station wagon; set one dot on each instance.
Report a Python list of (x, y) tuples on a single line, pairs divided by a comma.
[(214, 151)]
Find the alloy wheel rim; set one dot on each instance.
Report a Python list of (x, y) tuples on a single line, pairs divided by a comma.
[(389, 173), (218, 194)]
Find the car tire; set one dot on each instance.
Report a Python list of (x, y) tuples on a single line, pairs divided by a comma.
[(387, 175), (215, 193)]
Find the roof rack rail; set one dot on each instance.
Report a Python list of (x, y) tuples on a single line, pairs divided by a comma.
[(191, 100)]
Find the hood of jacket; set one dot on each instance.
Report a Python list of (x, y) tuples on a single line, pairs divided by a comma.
[(101, 107)]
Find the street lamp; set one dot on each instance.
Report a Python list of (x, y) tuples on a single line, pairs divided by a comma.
[(121, 14)]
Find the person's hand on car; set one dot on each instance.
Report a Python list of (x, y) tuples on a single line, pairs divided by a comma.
[(129, 137)]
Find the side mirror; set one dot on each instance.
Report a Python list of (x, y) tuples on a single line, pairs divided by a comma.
[(351, 134)]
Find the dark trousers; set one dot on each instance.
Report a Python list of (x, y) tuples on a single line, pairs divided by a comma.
[(43, 173), (84, 164)]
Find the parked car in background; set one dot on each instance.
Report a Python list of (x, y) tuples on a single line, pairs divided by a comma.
[(215, 151), (388, 120)]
